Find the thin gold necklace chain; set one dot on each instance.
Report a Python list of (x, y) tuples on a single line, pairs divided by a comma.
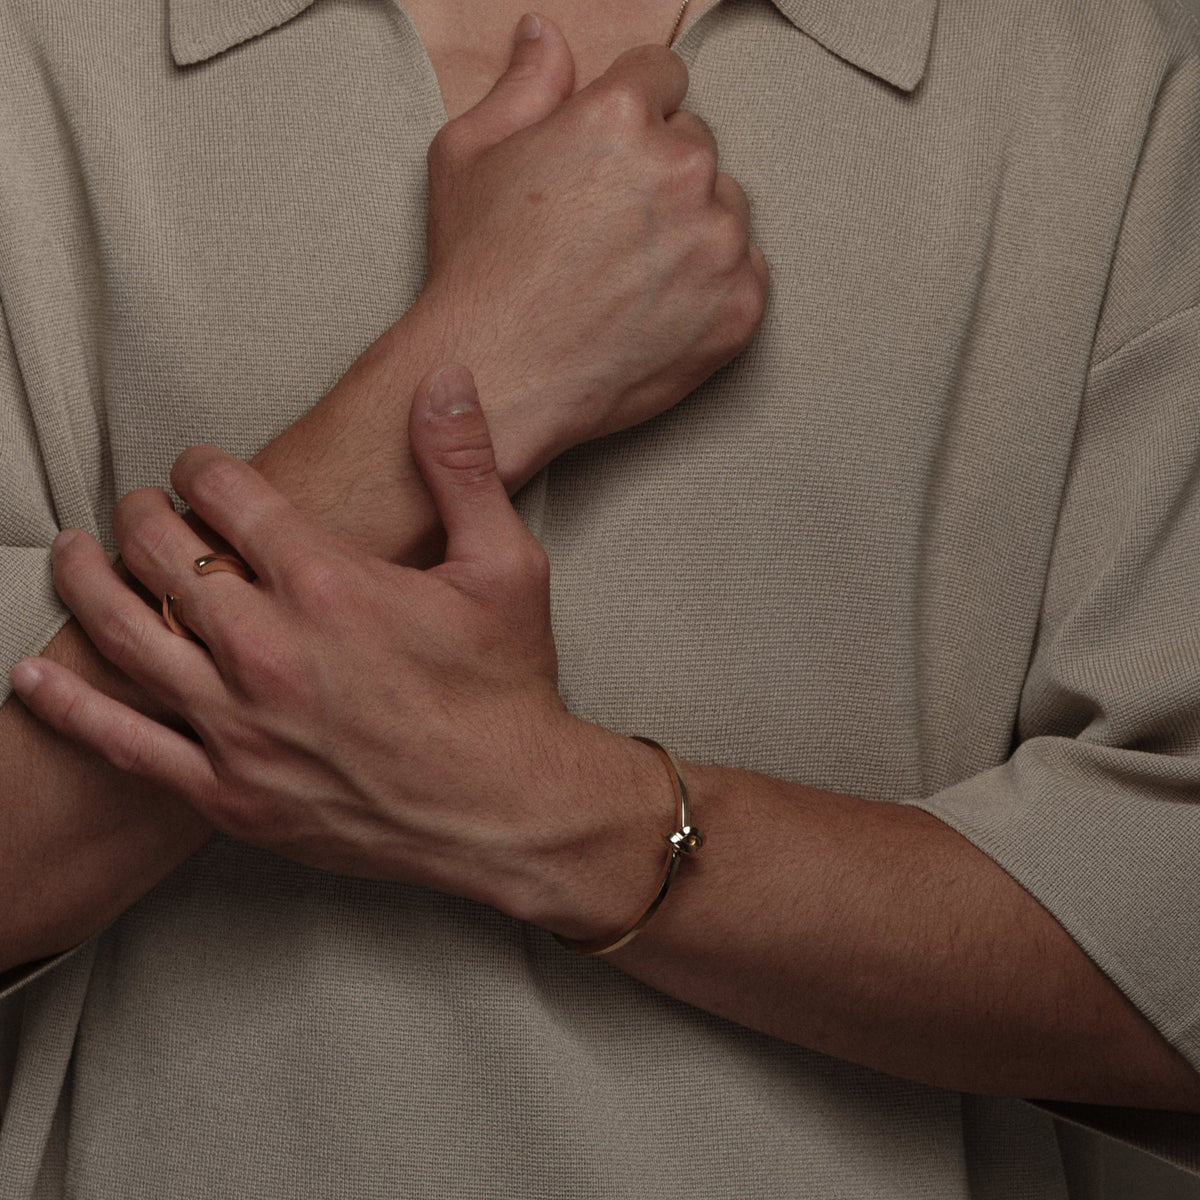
[(678, 21)]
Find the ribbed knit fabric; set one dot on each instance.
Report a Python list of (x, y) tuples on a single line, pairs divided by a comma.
[(933, 538)]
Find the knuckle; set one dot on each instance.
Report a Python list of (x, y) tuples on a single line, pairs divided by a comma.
[(73, 712), (318, 584), (524, 567), (121, 638), (732, 192), (650, 60), (453, 144), (524, 74), (144, 541), (728, 241), (694, 167), (618, 105), (472, 462), (267, 670), (130, 749), (684, 122), (746, 307), (234, 813)]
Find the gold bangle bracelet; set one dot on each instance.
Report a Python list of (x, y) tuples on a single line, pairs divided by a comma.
[(687, 839)]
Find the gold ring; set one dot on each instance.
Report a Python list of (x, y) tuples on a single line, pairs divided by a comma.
[(206, 564), (172, 618)]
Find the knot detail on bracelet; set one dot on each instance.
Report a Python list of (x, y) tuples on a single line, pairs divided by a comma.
[(686, 840)]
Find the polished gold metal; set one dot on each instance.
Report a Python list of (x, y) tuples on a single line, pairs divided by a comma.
[(687, 839), (678, 22), (206, 564), (172, 617)]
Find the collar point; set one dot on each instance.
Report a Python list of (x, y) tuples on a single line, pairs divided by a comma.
[(202, 29), (904, 78), (889, 39), (185, 52)]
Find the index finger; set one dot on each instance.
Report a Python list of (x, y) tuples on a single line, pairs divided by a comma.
[(654, 73)]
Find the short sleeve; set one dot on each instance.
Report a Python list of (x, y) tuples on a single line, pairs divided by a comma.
[(53, 437), (33, 613), (28, 524), (1097, 811)]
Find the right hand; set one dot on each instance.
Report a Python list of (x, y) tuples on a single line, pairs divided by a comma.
[(587, 259)]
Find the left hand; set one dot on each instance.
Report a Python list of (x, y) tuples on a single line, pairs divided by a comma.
[(351, 714)]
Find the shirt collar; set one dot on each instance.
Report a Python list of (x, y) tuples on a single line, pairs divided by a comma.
[(888, 38), (201, 29)]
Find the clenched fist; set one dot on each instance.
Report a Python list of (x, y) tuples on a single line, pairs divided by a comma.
[(586, 257)]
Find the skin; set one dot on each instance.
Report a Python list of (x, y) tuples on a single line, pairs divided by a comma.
[(909, 950), (466, 40), (866, 930), (675, 279)]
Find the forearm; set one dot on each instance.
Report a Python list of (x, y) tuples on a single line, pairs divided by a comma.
[(674, 285), (82, 841), (865, 930), (346, 462), (875, 933)]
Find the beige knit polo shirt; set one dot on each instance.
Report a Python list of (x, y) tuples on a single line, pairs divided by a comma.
[(933, 538)]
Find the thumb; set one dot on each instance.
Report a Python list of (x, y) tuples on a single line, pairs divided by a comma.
[(449, 439), (540, 75)]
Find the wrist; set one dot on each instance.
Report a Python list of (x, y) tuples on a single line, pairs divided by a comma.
[(683, 841), (527, 434), (599, 860)]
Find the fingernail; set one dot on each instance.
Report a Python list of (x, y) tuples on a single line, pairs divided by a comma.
[(25, 676), (529, 29), (451, 393), (63, 540)]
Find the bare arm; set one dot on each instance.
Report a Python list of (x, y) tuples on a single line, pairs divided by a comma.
[(861, 929), (878, 934), (81, 840)]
